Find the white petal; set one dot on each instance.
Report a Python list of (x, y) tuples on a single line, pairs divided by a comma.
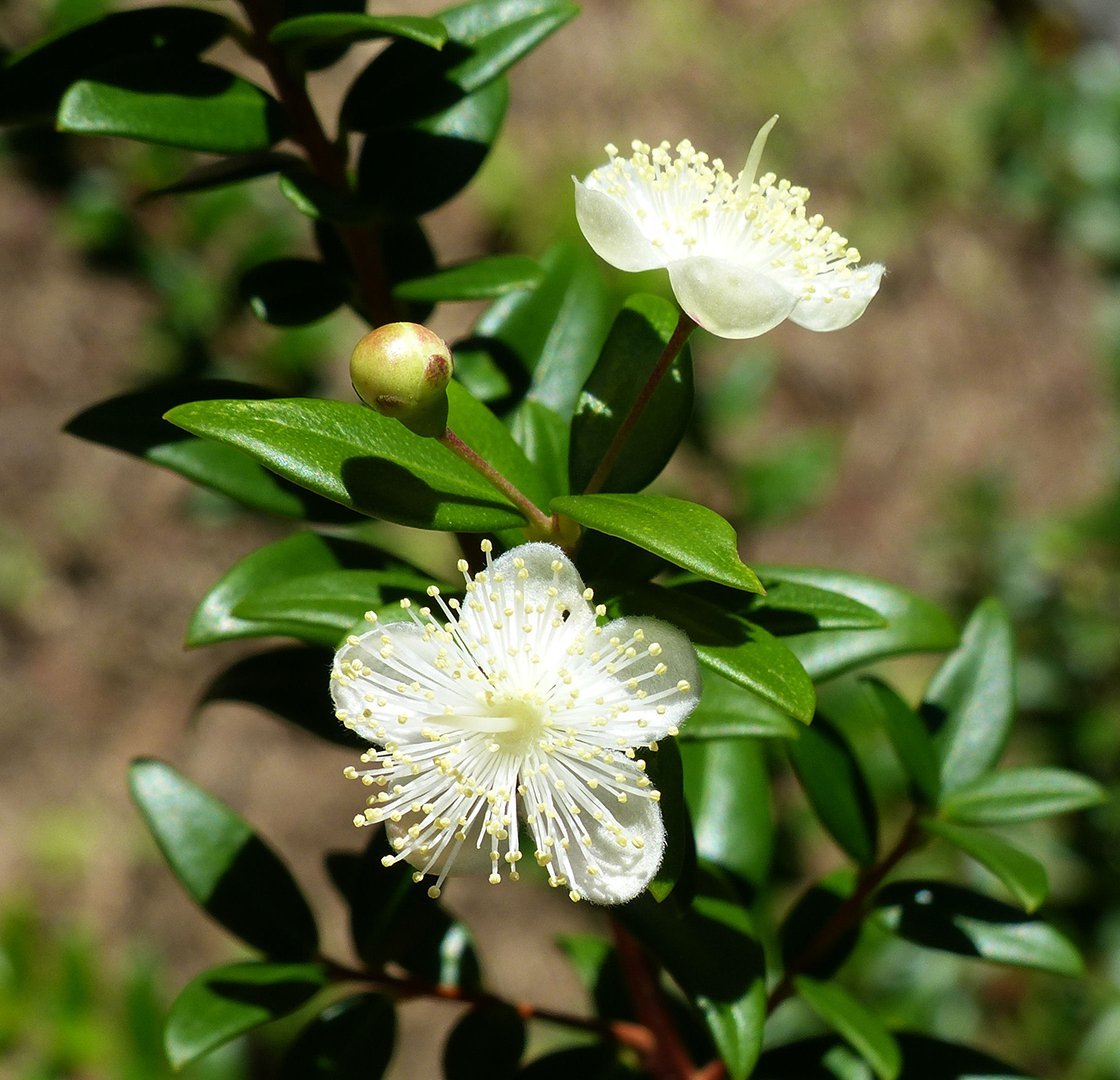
[(829, 309), (536, 569), (623, 869), (613, 233), (729, 298)]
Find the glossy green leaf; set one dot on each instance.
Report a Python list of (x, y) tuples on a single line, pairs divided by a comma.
[(351, 1038), (734, 648), (805, 924), (356, 457), (292, 292), (1024, 875), (225, 1002), (346, 26), (942, 916), (174, 101), (486, 1044), (836, 787), (909, 737), (684, 533), (1021, 794), (234, 169), (482, 279), (134, 423), (728, 790), (295, 556), (636, 342), (729, 711), (225, 867), (914, 624), (970, 701), (33, 80), (853, 1021), (287, 682)]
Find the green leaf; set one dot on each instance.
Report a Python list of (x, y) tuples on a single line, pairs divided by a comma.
[(970, 701), (175, 101), (344, 27), (482, 279), (728, 711), (33, 81), (486, 1044), (223, 864), (356, 457), (134, 424), (909, 737), (317, 199), (913, 624), (836, 787), (679, 860), (636, 342), (295, 556), (728, 792), (292, 292), (225, 1002), (734, 648), (805, 924), (1021, 794), (684, 533), (953, 919), (596, 1062), (1024, 876), (287, 682), (229, 170), (860, 1027), (596, 965), (353, 1037)]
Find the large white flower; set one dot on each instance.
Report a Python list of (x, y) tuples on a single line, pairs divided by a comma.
[(516, 706), (742, 256)]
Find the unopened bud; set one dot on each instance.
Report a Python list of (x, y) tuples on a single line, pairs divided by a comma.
[(402, 370)]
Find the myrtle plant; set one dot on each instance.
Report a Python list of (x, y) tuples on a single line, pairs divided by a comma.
[(596, 694)]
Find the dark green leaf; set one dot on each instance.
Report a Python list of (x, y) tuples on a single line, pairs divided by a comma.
[(913, 624), (684, 533), (483, 279), (228, 170), (317, 199), (223, 864), (860, 1027), (1021, 794), (680, 856), (174, 101), (134, 423), (970, 701), (287, 682), (957, 920), (909, 737), (344, 26), (600, 974), (33, 81), (636, 342), (486, 1044), (356, 457), (586, 1062), (225, 1002), (1024, 875), (805, 925), (292, 292), (728, 711), (835, 784), (353, 1037)]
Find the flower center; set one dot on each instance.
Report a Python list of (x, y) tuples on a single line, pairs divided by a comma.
[(527, 717)]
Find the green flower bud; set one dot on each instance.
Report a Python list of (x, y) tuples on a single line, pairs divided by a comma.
[(402, 370)]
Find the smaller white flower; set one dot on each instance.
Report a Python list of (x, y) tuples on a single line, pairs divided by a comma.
[(517, 705), (742, 256)]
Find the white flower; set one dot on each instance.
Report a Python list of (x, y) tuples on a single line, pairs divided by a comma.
[(517, 706), (742, 256)]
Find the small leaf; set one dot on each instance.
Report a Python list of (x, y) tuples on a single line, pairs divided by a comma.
[(835, 784), (353, 1037), (225, 1002), (1021, 794), (860, 1027), (909, 737), (1024, 876), (483, 279), (970, 702), (486, 1044), (225, 867), (174, 101), (939, 915), (292, 292), (344, 27), (684, 533), (228, 170)]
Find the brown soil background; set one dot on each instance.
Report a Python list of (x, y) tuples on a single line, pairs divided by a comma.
[(978, 355)]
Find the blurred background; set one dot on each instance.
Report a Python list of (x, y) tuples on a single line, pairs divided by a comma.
[(961, 439)]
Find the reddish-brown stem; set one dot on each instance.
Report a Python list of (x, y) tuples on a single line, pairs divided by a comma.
[(684, 327)]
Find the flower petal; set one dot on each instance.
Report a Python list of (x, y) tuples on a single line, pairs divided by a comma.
[(623, 868), (538, 569), (839, 301), (729, 298), (612, 231)]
